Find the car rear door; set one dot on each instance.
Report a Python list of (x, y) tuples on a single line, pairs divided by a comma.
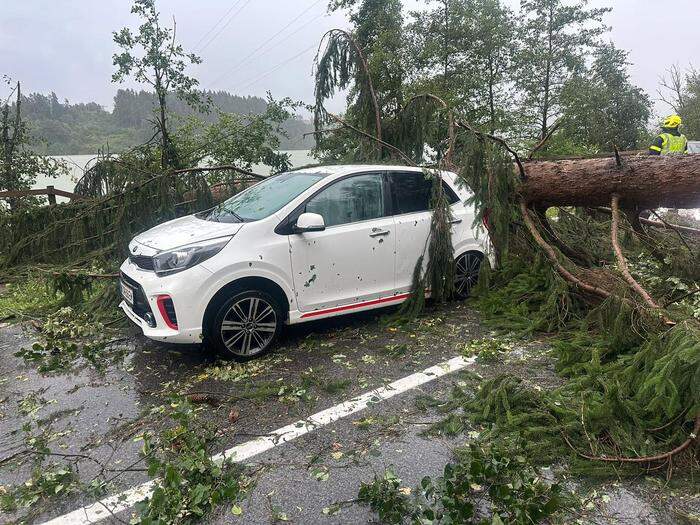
[(352, 260), (411, 192)]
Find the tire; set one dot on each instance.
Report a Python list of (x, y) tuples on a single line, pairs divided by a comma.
[(467, 268), (246, 326)]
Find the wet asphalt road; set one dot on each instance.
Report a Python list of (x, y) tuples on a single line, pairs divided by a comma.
[(313, 479)]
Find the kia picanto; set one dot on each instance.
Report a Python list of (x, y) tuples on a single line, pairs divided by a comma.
[(298, 246)]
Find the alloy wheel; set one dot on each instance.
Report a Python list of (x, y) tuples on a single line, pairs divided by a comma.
[(467, 273), (249, 326)]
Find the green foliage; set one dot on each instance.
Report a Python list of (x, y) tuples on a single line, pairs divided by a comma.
[(556, 38), (439, 274), (243, 141), (602, 108), (441, 264), (527, 297), (608, 405), (371, 53), (30, 297), (514, 491), (189, 483), (66, 337), (384, 497), (463, 50), (489, 349), (46, 482)]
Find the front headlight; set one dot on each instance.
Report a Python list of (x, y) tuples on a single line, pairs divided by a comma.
[(184, 257)]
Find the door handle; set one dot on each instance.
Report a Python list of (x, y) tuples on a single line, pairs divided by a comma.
[(376, 232), (455, 221)]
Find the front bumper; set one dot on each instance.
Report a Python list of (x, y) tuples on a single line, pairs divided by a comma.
[(184, 290)]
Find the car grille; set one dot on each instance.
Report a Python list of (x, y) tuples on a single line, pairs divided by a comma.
[(142, 261), (140, 306)]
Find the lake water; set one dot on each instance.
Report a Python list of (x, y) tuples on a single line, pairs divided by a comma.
[(77, 164)]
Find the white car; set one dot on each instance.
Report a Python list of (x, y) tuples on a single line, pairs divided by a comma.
[(295, 247)]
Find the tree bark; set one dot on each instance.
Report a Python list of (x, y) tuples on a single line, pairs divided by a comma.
[(643, 181)]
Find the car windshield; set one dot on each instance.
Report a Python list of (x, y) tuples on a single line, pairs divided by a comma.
[(263, 199)]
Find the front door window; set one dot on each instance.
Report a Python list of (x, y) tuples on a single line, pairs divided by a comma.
[(354, 199)]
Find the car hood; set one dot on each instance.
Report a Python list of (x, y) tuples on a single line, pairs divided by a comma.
[(185, 230)]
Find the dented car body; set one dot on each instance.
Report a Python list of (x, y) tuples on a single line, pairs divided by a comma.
[(298, 246)]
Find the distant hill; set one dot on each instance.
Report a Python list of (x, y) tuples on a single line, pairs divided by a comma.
[(62, 128)]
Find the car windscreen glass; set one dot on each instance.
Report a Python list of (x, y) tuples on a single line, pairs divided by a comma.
[(263, 199)]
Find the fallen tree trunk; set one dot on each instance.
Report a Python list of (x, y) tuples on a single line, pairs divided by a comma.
[(645, 181)]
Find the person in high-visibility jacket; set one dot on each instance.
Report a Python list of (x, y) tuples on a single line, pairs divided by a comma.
[(670, 141)]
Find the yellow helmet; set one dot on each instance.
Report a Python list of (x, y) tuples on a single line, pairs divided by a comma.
[(672, 121)]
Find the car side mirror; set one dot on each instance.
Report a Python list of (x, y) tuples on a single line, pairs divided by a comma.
[(310, 222)]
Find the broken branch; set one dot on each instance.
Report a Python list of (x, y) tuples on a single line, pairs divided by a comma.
[(621, 261), (552, 256)]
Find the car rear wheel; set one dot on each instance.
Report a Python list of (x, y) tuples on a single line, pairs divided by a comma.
[(246, 325), (467, 268)]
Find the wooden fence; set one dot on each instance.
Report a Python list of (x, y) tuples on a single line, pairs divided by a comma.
[(50, 191)]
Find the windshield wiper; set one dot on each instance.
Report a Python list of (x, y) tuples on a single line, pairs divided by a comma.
[(238, 217)]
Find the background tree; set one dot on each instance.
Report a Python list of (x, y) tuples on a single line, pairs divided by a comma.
[(463, 52), (152, 56), (556, 38), (19, 166), (602, 108), (243, 141), (681, 91)]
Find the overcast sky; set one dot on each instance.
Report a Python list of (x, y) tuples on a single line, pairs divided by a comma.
[(252, 46)]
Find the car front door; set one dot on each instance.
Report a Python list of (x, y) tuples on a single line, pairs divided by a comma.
[(411, 192), (352, 260)]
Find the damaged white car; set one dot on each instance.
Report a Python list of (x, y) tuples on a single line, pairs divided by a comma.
[(296, 247)]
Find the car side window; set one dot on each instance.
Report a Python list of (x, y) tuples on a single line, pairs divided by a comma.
[(412, 192), (357, 198)]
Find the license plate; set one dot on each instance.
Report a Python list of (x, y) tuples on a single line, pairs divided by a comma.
[(127, 293)]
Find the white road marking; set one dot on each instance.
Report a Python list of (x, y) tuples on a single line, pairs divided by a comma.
[(104, 508)]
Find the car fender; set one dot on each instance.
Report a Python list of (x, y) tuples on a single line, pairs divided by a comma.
[(469, 245), (242, 270)]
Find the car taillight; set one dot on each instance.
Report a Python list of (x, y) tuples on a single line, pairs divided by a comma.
[(167, 310)]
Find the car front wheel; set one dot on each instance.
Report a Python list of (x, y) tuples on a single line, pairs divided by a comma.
[(467, 268), (247, 325)]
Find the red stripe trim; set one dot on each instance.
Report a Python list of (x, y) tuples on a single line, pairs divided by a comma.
[(356, 305), (160, 301)]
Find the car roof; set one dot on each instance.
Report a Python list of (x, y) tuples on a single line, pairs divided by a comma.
[(344, 169)]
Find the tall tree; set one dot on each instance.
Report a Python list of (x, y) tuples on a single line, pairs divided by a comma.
[(152, 56), (602, 108), (556, 38), (462, 50), (367, 61)]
